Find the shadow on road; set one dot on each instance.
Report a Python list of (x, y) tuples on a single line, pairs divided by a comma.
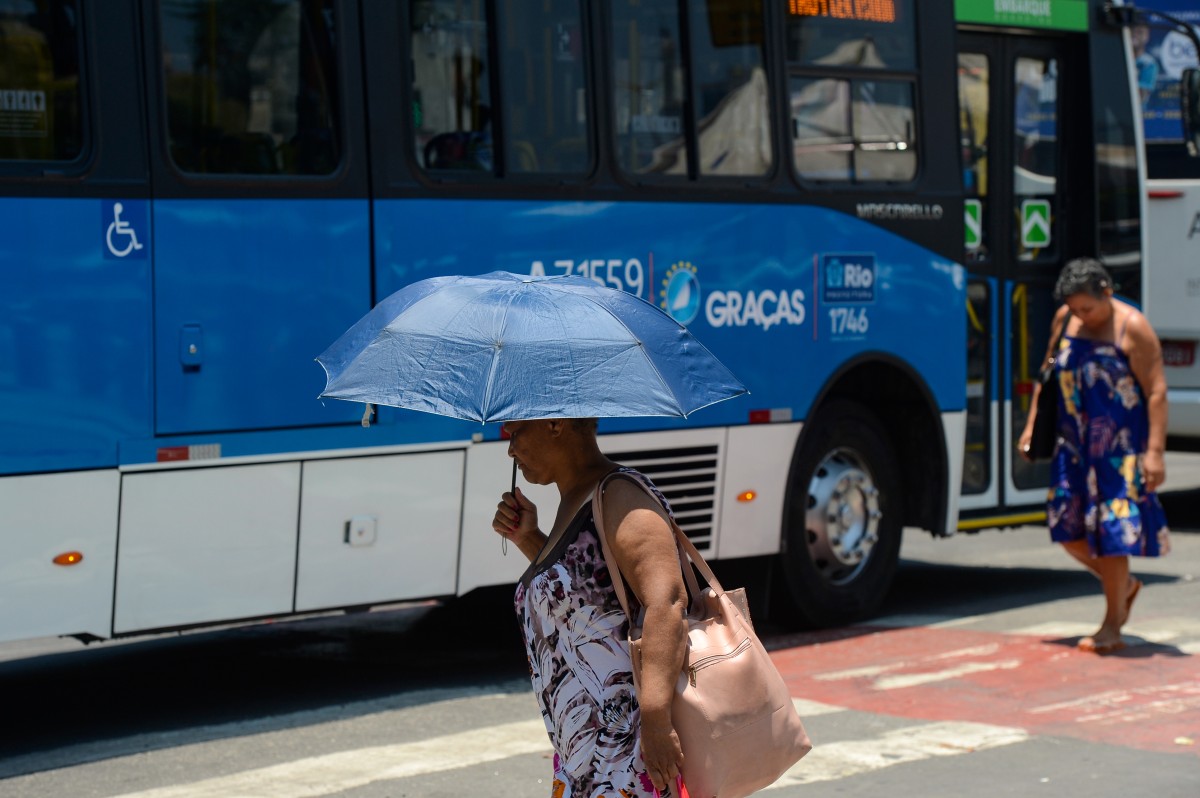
[(1135, 647), (114, 699), (958, 591)]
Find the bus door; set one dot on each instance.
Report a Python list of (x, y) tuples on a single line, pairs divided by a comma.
[(255, 187), (1014, 114)]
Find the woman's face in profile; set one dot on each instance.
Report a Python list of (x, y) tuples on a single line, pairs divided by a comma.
[(528, 442), (1093, 312)]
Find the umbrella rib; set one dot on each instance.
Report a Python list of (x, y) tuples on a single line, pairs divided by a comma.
[(497, 349), (650, 361)]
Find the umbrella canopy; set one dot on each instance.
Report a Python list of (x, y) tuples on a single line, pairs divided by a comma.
[(504, 347)]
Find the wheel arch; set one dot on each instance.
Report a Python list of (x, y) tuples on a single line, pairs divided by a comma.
[(902, 400)]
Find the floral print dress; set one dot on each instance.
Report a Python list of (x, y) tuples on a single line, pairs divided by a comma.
[(1097, 491), (576, 637)]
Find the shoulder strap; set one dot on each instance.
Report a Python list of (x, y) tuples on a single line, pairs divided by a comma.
[(1062, 331), (686, 549)]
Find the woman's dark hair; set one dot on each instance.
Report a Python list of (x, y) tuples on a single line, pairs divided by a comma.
[(1082, 276)]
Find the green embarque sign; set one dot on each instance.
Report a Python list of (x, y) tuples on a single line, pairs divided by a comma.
[(1057, 14)]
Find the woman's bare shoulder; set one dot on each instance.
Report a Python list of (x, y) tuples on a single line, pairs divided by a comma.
[(1137, 327), (626, 490)]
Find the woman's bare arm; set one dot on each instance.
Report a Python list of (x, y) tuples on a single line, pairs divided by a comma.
[(1060, 318), (1144, 350), (643, 545)]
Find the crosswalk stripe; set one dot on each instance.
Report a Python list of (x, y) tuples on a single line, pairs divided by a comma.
[(345, 770), (911, 744), (810, 709)]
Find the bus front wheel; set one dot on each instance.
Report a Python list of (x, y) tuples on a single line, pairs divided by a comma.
[(841, 539)]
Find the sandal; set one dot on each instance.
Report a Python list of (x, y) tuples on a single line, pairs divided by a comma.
[(1089, 645)]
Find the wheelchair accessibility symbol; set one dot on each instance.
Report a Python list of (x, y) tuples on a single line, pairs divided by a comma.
[(121, 222)]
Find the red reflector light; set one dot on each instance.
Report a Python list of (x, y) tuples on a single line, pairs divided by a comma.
[(69, 558), (170, 454), (760, 416), (1178, 353), (1164, 194)]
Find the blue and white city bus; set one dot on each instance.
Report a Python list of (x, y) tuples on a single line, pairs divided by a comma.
[(1163, 50), (198, 196)]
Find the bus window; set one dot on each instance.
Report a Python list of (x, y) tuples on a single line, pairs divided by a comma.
[(251, 89), (648, 87), (730, 87), (40, 114), (544, 95), (1035, 155), (853, 131), (974, 88), (451, 85)]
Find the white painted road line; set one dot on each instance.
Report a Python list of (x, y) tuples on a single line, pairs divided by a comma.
[(903, 680), (911, 744), (345, 770), (809, 709), (1130, 705)]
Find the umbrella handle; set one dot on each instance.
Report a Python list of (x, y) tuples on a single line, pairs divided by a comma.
[(513, 491)]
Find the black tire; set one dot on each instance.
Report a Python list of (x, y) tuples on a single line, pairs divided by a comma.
[(842, 523)]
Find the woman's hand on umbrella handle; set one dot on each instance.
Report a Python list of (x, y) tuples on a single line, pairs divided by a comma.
[(516, 517)]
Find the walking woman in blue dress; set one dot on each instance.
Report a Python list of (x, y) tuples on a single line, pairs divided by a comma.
[(1112, 421)]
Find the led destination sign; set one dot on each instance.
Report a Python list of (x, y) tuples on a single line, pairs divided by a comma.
[(859, 10)]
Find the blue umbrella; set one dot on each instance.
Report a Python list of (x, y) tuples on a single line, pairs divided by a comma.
[(504, 347)]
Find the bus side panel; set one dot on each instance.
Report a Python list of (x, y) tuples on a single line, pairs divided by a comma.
[(259, 288), (753, 454), (1173, 294), (379, 529), (44, 517), (782, 294), (205, 545), (74, 334)]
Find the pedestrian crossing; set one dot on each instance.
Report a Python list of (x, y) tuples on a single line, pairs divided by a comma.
[(343, 771), (881, 701)]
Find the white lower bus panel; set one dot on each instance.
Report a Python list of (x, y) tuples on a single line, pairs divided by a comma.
[(41, 518), (206, 545), (379, 529)]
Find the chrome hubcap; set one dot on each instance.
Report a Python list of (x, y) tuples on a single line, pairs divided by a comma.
[(843, 516)]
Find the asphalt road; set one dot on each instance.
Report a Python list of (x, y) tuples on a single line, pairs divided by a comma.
[(969, 683)]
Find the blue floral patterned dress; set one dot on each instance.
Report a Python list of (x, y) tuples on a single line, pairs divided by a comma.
[(1097, 489), (577, 640)]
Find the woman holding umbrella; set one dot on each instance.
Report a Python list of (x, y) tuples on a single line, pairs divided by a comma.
[(546, 356), (608, 739)]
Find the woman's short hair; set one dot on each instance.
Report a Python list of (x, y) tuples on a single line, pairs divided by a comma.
[(1082, 276)]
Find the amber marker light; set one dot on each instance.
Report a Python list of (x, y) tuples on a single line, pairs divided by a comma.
[(747, 496), (69, 558)]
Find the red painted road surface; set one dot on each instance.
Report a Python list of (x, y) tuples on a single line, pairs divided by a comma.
[(1145, 697)]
